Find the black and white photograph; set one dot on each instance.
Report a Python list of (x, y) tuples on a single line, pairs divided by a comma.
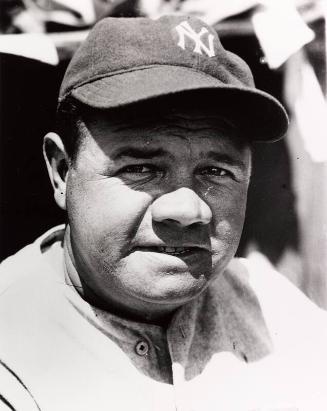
[(163, 205)]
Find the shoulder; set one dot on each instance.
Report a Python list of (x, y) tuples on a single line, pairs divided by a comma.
[(279, 297), (30, 296), (25, 280), (257, 290), (25, 262), (17, 266)]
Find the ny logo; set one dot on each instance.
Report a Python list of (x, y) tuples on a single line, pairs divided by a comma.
[(184, 29)]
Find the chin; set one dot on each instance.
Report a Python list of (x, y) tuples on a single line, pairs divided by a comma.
[(172, 288)]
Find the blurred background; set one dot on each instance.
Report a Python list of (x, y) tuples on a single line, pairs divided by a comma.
[(284, 43)]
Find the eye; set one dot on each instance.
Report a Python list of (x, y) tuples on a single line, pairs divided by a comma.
[(138, 169), (214, 171), (140, 172)]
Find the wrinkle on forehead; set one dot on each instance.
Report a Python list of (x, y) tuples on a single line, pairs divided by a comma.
[(188, 129), (186, 125)]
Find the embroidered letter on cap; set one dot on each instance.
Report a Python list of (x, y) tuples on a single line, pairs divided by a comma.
[(184, 29)]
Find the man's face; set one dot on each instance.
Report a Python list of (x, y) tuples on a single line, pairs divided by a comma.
[(156, 208)]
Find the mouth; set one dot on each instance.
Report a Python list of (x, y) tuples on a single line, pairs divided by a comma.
[(174, 251)]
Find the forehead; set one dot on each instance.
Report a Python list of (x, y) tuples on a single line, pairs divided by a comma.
[(172, 128)]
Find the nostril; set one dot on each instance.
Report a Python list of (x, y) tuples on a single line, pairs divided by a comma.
[(171, 220), (181, 222)]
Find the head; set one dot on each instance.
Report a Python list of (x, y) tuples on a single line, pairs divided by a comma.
[(154, 186)]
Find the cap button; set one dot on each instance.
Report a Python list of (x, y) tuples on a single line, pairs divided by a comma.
[(142, 348)]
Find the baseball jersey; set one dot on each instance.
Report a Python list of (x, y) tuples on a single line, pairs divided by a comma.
[(251, 341)]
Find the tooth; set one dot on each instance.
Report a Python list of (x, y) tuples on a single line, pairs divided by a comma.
[(170, 249)]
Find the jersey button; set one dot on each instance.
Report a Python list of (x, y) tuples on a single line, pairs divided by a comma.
[(142, 348)]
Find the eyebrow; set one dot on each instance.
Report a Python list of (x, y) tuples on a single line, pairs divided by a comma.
[(144, 153), (148, 154), (227, 159)]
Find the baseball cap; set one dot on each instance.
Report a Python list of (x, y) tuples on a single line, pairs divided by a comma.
[(127, 61)]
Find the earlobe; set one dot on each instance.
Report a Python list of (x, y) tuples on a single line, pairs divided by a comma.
[(57, 164)]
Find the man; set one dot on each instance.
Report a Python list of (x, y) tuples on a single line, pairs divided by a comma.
[(137, 303)]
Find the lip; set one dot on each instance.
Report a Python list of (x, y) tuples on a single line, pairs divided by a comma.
[(174, 250)]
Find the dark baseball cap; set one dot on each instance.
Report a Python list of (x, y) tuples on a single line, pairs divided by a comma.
[(126, 61)]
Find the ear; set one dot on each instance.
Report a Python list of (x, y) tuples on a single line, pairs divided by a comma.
[(57, 162)]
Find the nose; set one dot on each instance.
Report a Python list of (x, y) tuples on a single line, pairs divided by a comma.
[(182, 206)]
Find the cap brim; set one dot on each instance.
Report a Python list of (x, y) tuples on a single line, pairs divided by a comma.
[(261, 115)]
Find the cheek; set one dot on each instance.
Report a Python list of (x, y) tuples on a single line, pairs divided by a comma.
[(105, 214), (228, 216)]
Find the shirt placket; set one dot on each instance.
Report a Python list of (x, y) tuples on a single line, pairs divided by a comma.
[(179, 337)]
